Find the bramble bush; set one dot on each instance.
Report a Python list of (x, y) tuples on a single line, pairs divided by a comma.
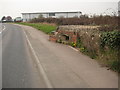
[(110, 49), (111, 39), (95, 20)]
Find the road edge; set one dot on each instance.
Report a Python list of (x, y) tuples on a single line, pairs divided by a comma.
[(39, 65)]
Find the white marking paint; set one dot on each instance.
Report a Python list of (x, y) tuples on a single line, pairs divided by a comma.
[(73, 48), (41, 70), (30, 33), (3, 29)]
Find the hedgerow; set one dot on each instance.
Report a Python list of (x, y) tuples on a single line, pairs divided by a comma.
[(95, 20)]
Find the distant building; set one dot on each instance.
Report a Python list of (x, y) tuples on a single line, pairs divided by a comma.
[(18, 19), (29, 16), (119, 8), (7, 19)]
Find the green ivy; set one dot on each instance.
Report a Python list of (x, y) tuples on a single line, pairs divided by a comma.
[(111, 39), (115, 65), (79, 43)]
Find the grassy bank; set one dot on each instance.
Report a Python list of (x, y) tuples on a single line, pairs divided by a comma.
[(46, 28), (105, 49)]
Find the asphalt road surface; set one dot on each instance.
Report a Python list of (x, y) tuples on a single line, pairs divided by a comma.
[(18, 69), (0, 56), (57, 66)]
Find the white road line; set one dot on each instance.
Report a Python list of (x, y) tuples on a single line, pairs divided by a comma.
[(30, 33), (73, 48), (48, 84), (3, 29)]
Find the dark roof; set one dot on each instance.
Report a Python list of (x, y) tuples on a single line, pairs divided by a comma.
[(51, 12)]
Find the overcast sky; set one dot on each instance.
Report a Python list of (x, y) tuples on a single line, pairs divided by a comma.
[(14, 8)]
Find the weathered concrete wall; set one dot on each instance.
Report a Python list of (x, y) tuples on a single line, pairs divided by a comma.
[(88, 35), (90, 38), (73, 31)]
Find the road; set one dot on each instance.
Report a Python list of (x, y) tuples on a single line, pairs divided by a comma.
[(30, 60), (0, 56), (18, 69)]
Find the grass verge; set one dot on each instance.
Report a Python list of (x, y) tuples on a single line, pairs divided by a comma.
[(46, 28)]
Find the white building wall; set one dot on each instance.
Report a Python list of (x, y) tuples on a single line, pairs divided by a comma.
[(34, 16), (73, 15), (119, 8), (45, 15), (67, 15), (29, 16), (25, 17), (37, 15), (58, 15)]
